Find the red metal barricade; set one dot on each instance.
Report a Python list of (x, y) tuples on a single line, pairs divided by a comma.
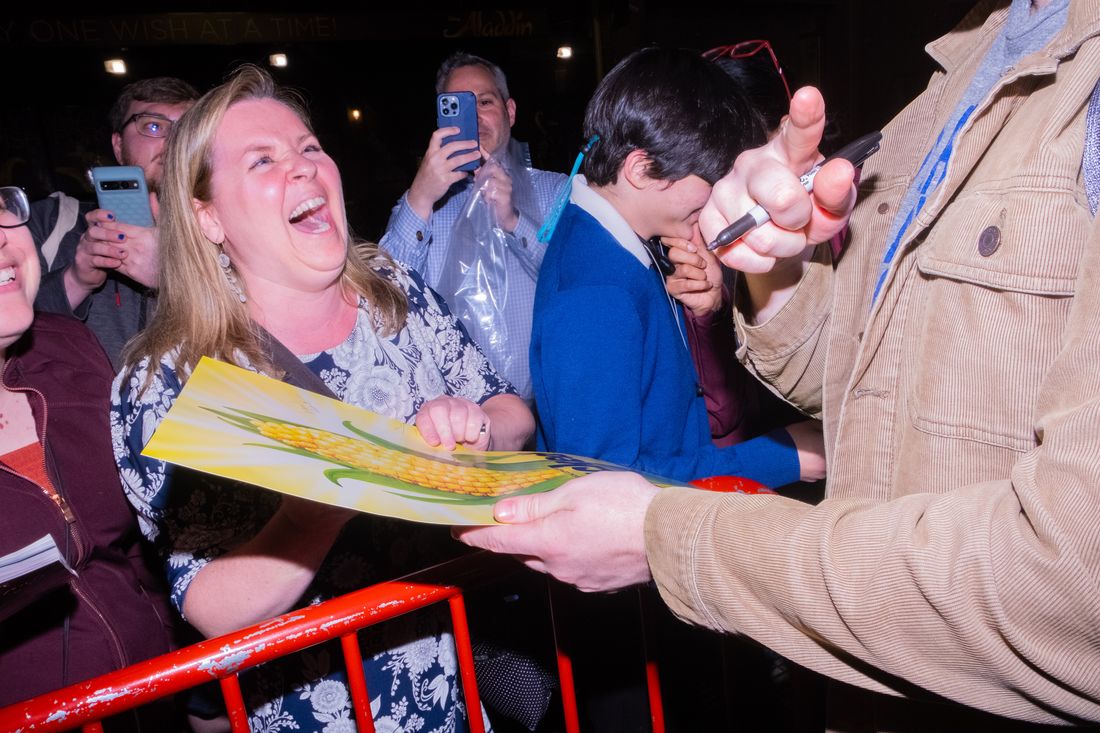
[(86, 704)]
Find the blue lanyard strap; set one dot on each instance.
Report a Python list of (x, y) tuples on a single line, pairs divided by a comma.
[(547, 229)]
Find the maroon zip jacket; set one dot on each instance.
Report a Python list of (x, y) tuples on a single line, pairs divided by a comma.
[(106, 618)]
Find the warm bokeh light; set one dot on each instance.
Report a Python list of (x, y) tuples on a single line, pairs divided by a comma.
[(565, 52), (278, 60), (115, 66)]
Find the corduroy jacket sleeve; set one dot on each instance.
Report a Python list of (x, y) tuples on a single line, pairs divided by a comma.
[(985, 593)]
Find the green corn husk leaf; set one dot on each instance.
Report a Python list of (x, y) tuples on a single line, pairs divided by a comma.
[(456, 458), (435, 496), (467, 500)]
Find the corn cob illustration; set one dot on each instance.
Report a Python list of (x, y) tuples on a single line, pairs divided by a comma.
[(405, 466)]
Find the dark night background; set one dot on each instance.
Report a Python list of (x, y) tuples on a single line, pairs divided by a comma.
[(866, 56)]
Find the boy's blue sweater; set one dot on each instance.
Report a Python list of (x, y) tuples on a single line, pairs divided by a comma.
[(612, 375)]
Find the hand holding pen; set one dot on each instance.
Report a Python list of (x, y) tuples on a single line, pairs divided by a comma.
[(855, 152), (769, 176)]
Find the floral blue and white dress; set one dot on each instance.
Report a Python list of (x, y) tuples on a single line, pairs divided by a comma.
[(410, 663)]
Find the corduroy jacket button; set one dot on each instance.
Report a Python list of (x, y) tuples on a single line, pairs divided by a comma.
[(989, 240)]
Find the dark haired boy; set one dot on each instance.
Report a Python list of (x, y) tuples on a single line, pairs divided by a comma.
[(612, 374)]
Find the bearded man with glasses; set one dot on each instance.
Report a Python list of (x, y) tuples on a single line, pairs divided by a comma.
[(96, 268)]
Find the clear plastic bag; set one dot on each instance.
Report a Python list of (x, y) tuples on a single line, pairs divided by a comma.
[(481, 271)]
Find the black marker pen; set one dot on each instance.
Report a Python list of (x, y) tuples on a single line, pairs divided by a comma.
[(854, 152)]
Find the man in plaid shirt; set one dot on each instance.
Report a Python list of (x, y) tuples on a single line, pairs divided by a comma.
[(419, 230)]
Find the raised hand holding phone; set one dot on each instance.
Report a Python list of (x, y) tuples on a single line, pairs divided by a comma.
[(449, 156), (121, 233)]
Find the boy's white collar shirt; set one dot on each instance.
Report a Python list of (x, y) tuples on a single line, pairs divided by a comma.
[(609, 218)]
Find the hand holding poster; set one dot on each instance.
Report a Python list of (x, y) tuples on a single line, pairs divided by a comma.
[(235, 423)]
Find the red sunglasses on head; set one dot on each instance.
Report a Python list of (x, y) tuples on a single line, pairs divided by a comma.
[(745, 49)]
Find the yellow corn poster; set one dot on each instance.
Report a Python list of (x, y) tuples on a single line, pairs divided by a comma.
[(235, 423)]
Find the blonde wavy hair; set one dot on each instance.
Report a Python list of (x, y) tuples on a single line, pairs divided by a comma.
[(198, 313)]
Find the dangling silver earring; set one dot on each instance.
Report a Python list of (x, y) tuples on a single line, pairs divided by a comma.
[(227, 270)]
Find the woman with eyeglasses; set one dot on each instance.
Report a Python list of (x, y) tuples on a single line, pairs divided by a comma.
[(58, 478)]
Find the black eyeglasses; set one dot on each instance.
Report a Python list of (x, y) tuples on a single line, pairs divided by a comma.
[(745, 49), (150, 124), (15, 210)]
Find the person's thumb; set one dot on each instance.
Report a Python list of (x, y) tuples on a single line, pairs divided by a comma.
[(520, 509), (801, 132)]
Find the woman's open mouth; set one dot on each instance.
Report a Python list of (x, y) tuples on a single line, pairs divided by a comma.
[(311, 216)]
